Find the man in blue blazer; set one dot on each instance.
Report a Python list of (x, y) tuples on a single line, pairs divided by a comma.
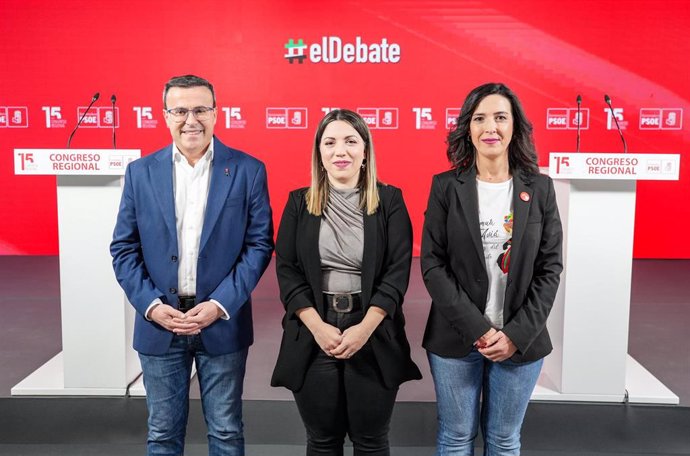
[(193, 236)]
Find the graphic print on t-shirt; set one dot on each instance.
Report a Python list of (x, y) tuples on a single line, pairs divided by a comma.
[(504, 258), (492, 237), (496, 225)]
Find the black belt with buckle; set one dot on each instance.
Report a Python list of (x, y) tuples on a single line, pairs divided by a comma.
[(186, 303), (343, 302)]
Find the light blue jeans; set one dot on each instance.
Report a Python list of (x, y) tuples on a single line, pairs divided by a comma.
[(166, 379), (505, 389)]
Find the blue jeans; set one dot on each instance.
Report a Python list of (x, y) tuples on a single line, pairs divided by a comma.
[(505, 388), (167, 379)]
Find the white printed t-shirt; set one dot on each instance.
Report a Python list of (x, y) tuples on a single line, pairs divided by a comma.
[(496, 224)]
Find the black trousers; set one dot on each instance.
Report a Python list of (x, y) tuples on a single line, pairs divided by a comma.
[(346, 397)]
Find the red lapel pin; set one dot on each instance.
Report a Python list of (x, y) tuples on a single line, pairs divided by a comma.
[(524, 196)]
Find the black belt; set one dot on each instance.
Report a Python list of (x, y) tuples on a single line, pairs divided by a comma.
[(343, 302), (186, 302)]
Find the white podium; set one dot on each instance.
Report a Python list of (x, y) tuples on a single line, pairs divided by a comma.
[(590, 318), (97, 320)]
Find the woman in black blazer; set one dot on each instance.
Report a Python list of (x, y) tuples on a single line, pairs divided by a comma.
[(491, 260), (343, 257)]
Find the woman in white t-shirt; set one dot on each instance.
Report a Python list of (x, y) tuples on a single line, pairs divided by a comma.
[(491, 260)]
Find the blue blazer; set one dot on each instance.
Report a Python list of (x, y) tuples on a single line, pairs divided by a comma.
[(235, 247)]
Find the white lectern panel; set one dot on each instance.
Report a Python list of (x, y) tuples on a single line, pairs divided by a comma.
[(97, 320), (589, 322)]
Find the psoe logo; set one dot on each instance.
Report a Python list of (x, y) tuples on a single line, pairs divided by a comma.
[(109, 117), (452, 115), (116, 162), (380, 118), (145, 117), (286, 118), (423, 118), (54, 117), (233, 117), (618, 114), (672, 119), (332, 49), (661, 119), (103, 117), (14, 117), (654, 166), (668, 167), (567, 119)]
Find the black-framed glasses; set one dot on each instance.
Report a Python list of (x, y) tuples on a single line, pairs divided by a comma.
[(200, 113)]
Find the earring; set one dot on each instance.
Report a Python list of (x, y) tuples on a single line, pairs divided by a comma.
[(364, 164)]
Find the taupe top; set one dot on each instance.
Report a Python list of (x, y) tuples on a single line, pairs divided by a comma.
[(341, 242)]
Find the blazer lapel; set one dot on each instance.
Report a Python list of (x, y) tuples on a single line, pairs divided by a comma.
[(522, 200), (312, 267), (222, 175), (161, 175), (466, 189), (369, 256)]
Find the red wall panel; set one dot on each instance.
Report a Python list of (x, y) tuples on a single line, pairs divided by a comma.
[(56, 55)]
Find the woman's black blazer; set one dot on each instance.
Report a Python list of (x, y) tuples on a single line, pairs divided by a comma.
[(455, 274), (385, 276)]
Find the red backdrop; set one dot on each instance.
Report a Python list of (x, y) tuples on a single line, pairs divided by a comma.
[(58, 54)]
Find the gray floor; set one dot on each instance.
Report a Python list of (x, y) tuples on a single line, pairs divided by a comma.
[(33, 424), (30, 300), (252, 450), (659, 322), (660, 315)]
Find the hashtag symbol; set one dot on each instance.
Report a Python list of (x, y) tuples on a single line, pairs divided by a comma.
[(295, 51)]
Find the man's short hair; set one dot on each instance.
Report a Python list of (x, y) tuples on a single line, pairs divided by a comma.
[(185, 82)]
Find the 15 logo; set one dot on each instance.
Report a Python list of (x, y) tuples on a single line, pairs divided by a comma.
[(233, 117), (618, 114), (145, 117), (423, 118), (54, 117), (26, 159)]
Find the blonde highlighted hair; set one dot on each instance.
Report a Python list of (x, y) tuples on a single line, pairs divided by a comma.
[(317, 195)]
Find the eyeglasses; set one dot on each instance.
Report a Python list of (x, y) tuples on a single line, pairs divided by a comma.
[(200, 113)]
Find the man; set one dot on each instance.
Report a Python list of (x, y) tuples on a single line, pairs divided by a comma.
[(193, 235)]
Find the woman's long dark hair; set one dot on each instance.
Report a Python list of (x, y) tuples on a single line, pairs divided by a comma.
[(522, 156)]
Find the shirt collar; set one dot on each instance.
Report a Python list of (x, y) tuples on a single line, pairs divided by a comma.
[(177, 155)]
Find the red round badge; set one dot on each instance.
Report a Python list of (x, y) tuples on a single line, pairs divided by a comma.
[(524, 196)]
